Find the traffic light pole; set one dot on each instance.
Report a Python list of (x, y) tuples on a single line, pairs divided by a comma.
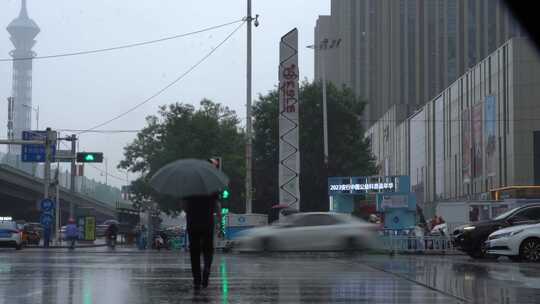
[(73, 173), (58, 213), (47, 170)]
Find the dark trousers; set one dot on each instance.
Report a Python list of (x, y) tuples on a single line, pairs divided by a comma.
[(201, 241)]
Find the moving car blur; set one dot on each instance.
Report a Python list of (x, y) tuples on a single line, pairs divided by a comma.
[(310, 231)]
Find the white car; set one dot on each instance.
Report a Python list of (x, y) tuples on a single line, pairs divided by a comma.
[(517, 242), (10, 235), (440, 230), (310, 231)]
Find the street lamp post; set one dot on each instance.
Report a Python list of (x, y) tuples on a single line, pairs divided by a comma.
[(249, 137), (106, 173), (323, 46)]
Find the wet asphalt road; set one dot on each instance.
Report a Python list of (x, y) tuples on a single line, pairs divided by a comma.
[(97, 275)]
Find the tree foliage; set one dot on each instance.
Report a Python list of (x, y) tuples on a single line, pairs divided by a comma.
[(181, 131), (349, 153)]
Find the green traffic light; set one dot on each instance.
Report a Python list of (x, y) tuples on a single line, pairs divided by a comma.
[(224, 210), (225, 194), (89, 157)]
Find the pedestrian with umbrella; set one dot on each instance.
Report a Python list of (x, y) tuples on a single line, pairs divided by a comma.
[(197, 183)]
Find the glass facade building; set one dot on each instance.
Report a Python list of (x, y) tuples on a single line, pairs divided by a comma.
[(479, 134), (408, 51)]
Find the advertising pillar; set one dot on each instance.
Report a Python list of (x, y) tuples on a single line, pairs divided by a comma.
[(289, 152)]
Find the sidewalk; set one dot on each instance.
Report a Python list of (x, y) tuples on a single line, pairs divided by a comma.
[(97, 243)]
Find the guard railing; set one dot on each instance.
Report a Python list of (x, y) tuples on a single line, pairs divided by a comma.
[(417, 244)]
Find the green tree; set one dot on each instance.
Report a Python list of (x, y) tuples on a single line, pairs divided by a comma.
[(181, 131), (349, 152)]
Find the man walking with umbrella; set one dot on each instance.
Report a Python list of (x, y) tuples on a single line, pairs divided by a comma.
[(200, 212), (197, 183)]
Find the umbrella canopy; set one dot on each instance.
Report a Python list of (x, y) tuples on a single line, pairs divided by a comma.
[(188, 177), (109, 222)]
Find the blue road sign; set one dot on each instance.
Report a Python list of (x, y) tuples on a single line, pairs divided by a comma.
[(46, 204), (48, 212), (35, 153), (46, 220)]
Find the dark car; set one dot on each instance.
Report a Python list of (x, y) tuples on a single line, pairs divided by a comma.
[(471, 238)]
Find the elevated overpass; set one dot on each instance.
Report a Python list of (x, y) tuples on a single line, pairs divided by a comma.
[(20, 194)]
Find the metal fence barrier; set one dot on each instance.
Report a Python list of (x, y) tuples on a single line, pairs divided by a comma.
[(417, 244)]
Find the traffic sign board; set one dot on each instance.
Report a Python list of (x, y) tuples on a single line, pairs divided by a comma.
[(35, 153), (48, 212), (46, 204), (64, 156), (46, 220)]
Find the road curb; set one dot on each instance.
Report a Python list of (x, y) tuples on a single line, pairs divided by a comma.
[(66, 247)]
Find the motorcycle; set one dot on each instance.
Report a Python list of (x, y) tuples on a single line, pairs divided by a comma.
[(111, 241), (159, 242)]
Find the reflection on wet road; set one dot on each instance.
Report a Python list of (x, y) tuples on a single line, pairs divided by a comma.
[(475, 281), (126, 276)]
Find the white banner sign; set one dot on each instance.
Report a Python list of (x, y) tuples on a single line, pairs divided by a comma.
[(394, 201), (289, 153)]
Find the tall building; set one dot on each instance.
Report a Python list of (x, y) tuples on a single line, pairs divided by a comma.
[(405, 52), (23, 30), (480, 134)]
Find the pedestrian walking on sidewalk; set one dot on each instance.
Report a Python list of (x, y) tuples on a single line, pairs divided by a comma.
[(141, 237), (72, 233)]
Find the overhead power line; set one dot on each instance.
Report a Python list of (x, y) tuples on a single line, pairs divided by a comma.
[(108, 173), (125, 46), (193, 67), (100, 131)]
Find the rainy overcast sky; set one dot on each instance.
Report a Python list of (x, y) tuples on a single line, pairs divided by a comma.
[(81, 91)]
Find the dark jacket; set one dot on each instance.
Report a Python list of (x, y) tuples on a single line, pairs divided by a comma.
[(112, 230), (200, 212)]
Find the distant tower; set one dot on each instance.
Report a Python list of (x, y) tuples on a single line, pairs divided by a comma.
[(23, 30)]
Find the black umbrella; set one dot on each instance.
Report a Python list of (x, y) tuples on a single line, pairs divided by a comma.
[(189, 177)]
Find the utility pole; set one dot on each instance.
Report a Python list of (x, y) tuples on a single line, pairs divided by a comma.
[(249, 188), (106, 172), (73, 173), (57, 211)]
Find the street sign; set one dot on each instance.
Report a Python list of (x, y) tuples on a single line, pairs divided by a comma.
[(46, 204), (36, 153), (64, 156), (46, 220)]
